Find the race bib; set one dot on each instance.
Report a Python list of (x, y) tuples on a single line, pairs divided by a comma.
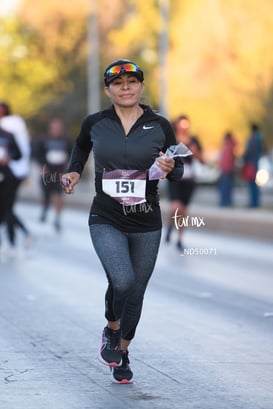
[(128, 187), (56, 157)]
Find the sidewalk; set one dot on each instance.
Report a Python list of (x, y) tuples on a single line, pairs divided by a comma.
[(238, 220)]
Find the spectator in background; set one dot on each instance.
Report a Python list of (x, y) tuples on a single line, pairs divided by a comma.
[(52, 154), (180, 193), (227, 170), (19, 168), (251, 156)]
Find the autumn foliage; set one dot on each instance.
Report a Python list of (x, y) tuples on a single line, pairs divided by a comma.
[(220, 60)]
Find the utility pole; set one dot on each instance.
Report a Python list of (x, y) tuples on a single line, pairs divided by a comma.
[(163, 56), (93, 65)]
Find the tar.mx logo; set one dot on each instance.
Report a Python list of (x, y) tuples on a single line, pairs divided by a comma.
[(187, 221), (50, 177), (141, 208)]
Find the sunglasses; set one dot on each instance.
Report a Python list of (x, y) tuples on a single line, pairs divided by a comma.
[(118, 69)]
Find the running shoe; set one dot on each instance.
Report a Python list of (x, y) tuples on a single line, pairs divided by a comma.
[(110, 353), (123, 373)]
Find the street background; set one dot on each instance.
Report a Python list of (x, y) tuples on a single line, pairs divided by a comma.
[(206, 334)]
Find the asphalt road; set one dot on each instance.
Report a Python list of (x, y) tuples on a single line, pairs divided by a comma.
[(205, 339)]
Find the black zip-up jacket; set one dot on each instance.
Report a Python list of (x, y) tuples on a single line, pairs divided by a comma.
[(113, 149)]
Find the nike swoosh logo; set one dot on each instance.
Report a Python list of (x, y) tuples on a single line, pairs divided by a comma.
[(148, 127)]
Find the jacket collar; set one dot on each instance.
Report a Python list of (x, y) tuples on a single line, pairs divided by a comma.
[(148, 114)]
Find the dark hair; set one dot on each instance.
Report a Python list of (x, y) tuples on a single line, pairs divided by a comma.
[(5, 108), (180, 118), (254, 127), (228, 135), (195, 141)]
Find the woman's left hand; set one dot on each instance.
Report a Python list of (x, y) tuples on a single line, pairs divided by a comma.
[(165, 164)]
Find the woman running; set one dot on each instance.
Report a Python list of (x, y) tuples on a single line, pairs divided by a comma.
[(125, 218)]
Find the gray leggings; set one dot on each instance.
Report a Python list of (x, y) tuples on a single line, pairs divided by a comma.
[(128, 260)]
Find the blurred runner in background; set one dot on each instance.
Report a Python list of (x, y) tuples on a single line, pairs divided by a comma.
[(180, 193), (16, 125), (52, 153), (9, 150)]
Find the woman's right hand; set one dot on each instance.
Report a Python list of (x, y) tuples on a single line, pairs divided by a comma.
[(69, 180)]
